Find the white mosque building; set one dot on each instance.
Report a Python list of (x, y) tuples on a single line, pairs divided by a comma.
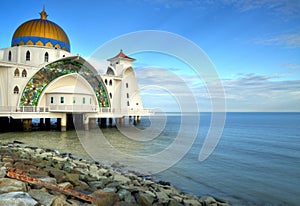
[(40, 78)]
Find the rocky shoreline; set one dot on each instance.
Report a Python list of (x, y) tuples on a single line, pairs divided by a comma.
[(106, 185)]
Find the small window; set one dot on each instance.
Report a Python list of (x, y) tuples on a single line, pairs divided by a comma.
[(128, 103), (51, 100), (127, 95), (90, 100), (137, 104), (28, 56), (24, 73), (110, 82), (62, 100), (105, 81), (46, 57), (17, 72), (127, 85), (9, 56), (83, 100), (16, 90), (110, 95), (74, 100)]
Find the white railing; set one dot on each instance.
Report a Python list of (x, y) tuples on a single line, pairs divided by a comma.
[(74, 108)]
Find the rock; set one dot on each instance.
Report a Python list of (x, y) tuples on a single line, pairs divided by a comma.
[(73, 178), (121, 178), (42, 197), (162, 197), (17, 199), (95, 185), (207, 200), (145, 199), (126, 196), (60, 202), (174, 203), (8, 159), (2, 172), (191, 202), (10, 185), (66, 185), (59, 175), (105, 198)]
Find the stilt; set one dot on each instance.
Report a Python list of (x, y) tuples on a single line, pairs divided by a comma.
[(41, 124), (92, 123), (48, 124), (86, 123), (4, 124), (103, 122), (58, 123), (63, 124), (27, 125)]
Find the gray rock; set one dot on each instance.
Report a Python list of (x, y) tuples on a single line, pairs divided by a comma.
[(17, 199), (207, 200), (2, 172), (191, 202), (11, 185), (162, 197), (42, 197), (126, 196)]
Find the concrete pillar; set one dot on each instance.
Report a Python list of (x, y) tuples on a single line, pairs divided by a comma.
[(47, 123), (4, 124), (110, 120), (27, 125), (41, 124), (103, 122), (63, 123), (86, 123), (92, 123)]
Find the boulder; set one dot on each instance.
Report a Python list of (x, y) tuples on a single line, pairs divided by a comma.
[(105, 198), (42, 197), (16, 199), (11, 185)]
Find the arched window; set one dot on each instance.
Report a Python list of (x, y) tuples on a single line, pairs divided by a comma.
[(110, 82), (110, 95), (127, 85), (28, 56), (46, 57), (17, 72), (24, 73), (83, 100), (9, 56), (127, 95), (16, 90), (105, 81), (128, 103)]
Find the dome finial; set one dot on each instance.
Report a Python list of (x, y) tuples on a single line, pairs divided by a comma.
[(43, 14)]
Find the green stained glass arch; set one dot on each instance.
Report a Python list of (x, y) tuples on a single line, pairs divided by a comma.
[(41, 79)]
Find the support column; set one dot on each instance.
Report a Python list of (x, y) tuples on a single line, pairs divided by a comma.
[(48, 123), (63, 123), (110, 120), (86, 123), (92, 123), (27, 125)]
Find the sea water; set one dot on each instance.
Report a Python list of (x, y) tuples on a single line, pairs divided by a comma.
[(256, 161)]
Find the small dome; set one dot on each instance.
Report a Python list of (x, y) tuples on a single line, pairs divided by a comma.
[(41, 32)]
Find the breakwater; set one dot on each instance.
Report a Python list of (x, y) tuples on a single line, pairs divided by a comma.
[(107, 185)]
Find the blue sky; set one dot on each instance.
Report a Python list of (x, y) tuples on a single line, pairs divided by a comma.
[(254, 45)]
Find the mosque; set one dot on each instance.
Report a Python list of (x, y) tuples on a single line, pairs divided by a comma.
[(41, 79)]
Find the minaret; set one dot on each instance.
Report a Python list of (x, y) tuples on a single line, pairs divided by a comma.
[(121, 62)]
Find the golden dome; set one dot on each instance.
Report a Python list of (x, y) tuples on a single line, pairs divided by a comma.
[(41, 32)]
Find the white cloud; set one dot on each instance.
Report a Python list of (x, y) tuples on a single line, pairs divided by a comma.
[(285, 40)]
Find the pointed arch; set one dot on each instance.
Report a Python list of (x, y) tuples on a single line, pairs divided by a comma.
[(46, 57), (9, 56), (17, 72), (24, 73), (16, 90), (28, 55)]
